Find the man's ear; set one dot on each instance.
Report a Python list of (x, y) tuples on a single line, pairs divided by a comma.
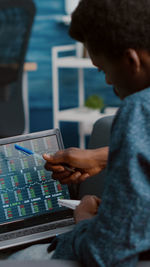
[(132, 59)]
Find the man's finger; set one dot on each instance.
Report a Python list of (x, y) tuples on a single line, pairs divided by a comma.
[(61, 175), (74, 178), (55, 168), (54, 159)]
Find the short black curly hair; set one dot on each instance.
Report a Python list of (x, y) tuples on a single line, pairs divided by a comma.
[(111, 26)]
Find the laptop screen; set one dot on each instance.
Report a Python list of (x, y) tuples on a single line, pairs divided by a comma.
[(28, 194)]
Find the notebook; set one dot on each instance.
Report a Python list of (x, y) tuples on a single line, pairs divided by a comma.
[(29, 208)]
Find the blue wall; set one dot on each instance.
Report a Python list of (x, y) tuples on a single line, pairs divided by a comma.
[(46, 33)]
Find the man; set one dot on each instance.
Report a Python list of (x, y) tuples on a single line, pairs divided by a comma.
[(117, 36), (114, 231)]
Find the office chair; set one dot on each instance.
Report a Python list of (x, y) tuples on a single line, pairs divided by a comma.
[(99, 138), (16, 18)]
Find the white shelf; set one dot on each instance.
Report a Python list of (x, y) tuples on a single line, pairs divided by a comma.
[(74, 62), (66, 19), (79, 114), (85, 115)]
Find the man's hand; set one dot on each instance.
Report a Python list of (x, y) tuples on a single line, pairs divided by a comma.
[(87, 208), (85, 163)]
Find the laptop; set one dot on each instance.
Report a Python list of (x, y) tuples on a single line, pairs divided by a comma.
[(29, 209)]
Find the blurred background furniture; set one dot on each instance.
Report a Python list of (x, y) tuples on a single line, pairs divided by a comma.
[(28, 66), (70, 6), (16, 18), (81, 114), (99, 138)]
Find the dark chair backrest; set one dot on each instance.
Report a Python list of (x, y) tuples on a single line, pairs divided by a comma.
[(99, 138), (16, 18)]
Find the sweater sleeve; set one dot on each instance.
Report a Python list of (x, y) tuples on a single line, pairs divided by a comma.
[(121, 229)]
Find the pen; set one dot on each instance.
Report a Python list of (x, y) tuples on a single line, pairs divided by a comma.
[(30, 152)]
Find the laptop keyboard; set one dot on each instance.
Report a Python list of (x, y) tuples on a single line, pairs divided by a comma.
[(36, 229)]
